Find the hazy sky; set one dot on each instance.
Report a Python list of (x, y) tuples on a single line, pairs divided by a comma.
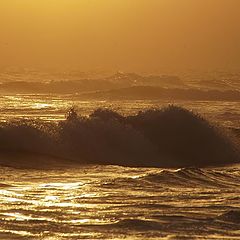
[(128, 35)]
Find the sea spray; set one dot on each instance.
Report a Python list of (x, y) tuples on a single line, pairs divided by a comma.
[(167, 137)]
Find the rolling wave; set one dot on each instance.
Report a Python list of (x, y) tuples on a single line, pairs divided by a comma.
[(191, 177), (168, 137), (183, 177), (167, 222), (155, 92)]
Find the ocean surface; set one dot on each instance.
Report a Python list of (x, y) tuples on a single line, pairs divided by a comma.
[(114, 202)]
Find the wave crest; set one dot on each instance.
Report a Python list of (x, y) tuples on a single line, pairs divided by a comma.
[(168, 137), (193, 177)]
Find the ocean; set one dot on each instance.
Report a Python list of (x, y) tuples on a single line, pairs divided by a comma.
[(95, 201)]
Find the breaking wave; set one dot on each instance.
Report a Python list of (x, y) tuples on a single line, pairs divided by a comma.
[(168, 137)]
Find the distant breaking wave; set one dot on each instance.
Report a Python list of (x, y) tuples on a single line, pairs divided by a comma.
[(156, 92), (129, 86), (168, 137), (71, 86)]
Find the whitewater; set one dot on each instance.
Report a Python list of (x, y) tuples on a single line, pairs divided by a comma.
[(47, 194)]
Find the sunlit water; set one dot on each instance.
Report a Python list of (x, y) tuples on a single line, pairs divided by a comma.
[(54, 107), (111, 202)]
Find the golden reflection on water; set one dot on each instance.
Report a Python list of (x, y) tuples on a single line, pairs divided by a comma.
[(63, 199), (74, 205), (41, 105), (54, 107)]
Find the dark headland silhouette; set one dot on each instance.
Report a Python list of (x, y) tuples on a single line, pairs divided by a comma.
[(167, 137)]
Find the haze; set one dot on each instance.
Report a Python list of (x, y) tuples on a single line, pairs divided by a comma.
[(128, 35)]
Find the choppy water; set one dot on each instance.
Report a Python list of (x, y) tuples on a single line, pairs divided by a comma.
[(114, 202), (111, 202)]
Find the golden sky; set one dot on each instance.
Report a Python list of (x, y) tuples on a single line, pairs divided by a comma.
[(128, 35)]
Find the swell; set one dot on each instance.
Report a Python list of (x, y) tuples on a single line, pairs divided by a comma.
[(229, 219), (183, 177), (191, 177), (156, 92), (168, 137)]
